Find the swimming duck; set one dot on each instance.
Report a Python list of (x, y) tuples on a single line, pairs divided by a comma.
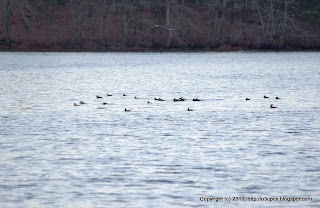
[(109, 95), (126, 110), (247, 99), (81, 102), (189, 109), (149, 102), (124, 95), (75, 104), (195, 99), (180, 99), (265, 96), (104, 103), (271, 106), (158, 99), (98, 97), (277, 98)]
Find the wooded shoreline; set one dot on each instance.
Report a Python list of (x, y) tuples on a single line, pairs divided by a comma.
[(165, 25), (146, 50)]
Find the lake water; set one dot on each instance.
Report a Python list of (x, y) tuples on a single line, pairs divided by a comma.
[(55, 154)]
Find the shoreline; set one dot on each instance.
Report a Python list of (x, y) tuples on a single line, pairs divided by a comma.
[(146, 50)]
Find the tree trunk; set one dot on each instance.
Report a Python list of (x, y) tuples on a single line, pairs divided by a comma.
[(101, 20), (5, 15), (8, 24), (168, 23)]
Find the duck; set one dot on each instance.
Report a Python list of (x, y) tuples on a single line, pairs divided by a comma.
[(265, 96), (104, 103), (247, 98), (179, 99), (277, 98), (271, 106), (158, 99), (189, 109), (75, 104), (81, 102), (149, 102), (195, 99), (109, 95), (124, 94), (126, 110), (98, 97)]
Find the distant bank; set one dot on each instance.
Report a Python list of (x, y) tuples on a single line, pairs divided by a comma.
[(224, 48), (100, 25)]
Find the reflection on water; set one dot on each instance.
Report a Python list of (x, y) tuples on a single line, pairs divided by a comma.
[(54, 154)]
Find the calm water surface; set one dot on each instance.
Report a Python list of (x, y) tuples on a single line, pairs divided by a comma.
[(54, 154)]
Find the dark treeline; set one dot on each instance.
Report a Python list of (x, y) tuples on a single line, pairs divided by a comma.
[(186, 24)]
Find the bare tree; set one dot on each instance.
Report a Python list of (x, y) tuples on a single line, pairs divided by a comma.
[(78, 10), (5, 15), (277, 20), (218, 12), (179, 18)]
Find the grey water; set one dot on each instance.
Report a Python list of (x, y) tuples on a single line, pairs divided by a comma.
[(55, 154)]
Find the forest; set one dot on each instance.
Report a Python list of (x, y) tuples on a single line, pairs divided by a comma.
[(101, 25)]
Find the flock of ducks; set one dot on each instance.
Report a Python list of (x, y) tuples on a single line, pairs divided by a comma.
[(266, 97), (181, 99)]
